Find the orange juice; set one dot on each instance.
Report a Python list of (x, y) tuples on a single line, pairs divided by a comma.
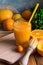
[(22, 32)]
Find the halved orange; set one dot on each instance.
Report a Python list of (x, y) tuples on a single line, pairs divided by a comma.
[(40, 48), (37, 34)]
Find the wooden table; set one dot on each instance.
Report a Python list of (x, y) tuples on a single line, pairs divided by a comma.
[(35, 59)]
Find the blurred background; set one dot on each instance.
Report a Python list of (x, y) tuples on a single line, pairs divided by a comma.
[(21, 4)]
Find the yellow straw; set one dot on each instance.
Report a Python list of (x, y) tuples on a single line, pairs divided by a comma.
[(36, 7)]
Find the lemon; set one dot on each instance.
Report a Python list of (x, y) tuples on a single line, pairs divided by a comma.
[(17, 16)]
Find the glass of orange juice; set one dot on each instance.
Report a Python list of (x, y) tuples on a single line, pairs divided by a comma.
[(22, 32)]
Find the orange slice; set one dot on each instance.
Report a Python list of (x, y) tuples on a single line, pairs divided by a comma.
[(40, 48), (37, 34)]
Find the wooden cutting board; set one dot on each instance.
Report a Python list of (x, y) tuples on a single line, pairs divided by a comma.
[(7, 49)]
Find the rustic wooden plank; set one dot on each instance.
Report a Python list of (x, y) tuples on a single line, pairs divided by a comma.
[(4, 33), (32, 60), (39, 59), (1, 64)]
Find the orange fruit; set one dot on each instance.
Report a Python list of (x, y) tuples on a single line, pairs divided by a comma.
[(8, 24), (19, 48), (26, 14), (5, 14), (40, 48), (37, 34)]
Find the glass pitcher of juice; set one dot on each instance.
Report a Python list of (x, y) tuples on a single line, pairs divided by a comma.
[(22, 32)]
